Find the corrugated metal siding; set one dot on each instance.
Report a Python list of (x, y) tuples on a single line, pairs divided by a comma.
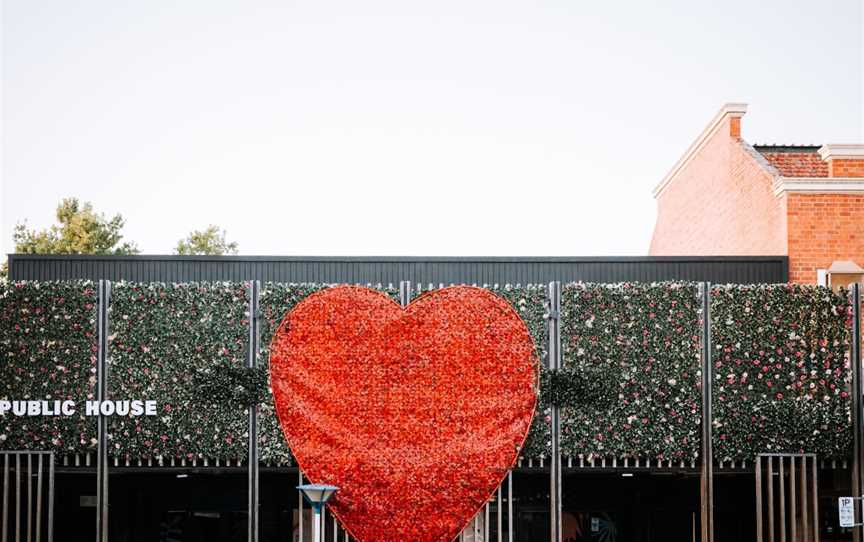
[(745, 270)]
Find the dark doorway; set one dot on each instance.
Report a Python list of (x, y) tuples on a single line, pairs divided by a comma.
[(630, 507)]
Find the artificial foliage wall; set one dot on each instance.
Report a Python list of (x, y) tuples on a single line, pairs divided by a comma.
[(169, 342), (634, 349), (48, 352), (781, 373), (630, 384)]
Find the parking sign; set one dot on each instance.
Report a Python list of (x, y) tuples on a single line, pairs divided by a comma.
[(847, 511)]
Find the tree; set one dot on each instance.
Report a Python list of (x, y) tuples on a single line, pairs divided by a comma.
[(210, 242), (80, 231)]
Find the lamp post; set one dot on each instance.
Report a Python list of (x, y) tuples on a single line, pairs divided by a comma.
[(316, 495)]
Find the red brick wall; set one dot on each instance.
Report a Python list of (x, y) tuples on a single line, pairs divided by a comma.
[(823, 228), (846, 168), (721, 203)]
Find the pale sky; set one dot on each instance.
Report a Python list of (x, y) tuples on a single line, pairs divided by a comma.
[(465, 127)]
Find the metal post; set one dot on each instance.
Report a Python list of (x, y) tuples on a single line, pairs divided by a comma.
[(17, 497), (805, 520), (39, 500), (251, 357), (5, 515), (29, 497), (102, 332), (404, 292), (759, 508), (782, 499), (770, 498), (553, 323), (814, 488), (707, 474), (300, 504), (510, 506), (316, 530), (500, 515), (51, 497), (793, 500), (857, 407)]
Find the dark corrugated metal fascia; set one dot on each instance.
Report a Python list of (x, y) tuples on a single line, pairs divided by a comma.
[(362, 269), (392, 259)]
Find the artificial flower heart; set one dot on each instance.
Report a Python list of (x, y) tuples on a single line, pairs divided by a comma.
[(416, 414)]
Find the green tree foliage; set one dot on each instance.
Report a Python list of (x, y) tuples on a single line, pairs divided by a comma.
[(80, 231), (209, 242)]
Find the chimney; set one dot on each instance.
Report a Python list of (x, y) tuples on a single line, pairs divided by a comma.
[(843, 160)]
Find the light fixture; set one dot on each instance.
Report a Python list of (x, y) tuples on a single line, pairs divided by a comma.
[(627, 475), (316, 495)]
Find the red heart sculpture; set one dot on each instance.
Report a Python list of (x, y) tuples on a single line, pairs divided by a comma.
[(416, 414)]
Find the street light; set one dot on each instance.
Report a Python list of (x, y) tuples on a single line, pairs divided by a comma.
[(316, 495)]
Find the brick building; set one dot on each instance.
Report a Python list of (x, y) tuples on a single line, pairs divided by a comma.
[(725, 196)]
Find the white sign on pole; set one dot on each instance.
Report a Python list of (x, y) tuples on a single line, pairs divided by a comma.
[(847, 511)]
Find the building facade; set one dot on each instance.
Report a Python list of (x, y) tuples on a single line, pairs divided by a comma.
[(727, 196), (632, 464)]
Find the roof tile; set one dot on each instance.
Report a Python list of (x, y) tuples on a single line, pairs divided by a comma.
[(794, 161)]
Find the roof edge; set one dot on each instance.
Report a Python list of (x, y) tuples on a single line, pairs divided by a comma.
[(818, 185), (398, 259), (727, 110), (842, 151)]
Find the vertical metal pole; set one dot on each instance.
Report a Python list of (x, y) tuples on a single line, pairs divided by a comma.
[(50, 497), (857, 408), (102, 332), (782, 499), (759, 508), (251, 358), (805, 521), (4, 536), (29, 481), (316, 529), (553, 323), (814, 483), (39, 500), (486, 522), (793, 500), (17, 497), (300, 505), (404, 292), (707, 479), (770, 498), (510, 506), (500, 514)]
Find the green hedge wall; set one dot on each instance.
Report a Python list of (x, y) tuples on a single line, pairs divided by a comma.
[(641, 344), (630, 387), (781, 371), (48, 352), (164, 338)]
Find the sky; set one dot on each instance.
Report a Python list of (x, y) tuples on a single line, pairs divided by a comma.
[(453, 127)]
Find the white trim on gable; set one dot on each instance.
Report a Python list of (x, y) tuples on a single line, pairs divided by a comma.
[(730, 109)]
